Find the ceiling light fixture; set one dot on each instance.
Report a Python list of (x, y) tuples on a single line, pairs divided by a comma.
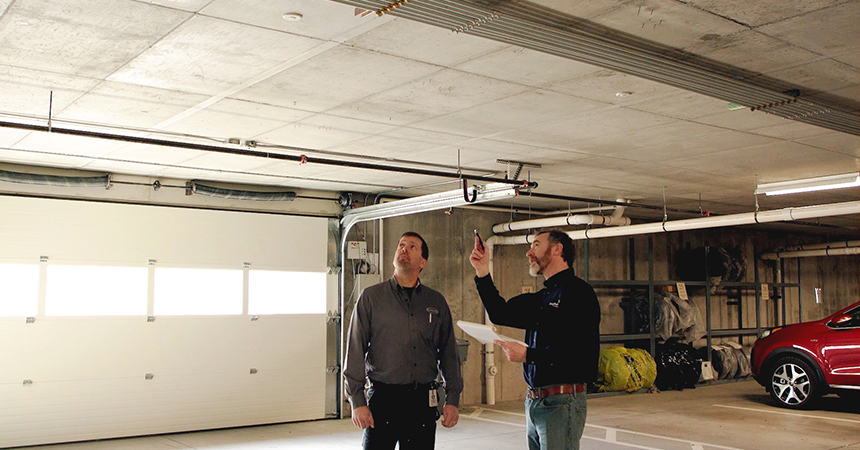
[(536, 27), (623, 94), (292, 17), (809, 184), (432, 202)]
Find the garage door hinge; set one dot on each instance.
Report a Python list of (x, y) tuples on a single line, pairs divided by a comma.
[(332, 317)]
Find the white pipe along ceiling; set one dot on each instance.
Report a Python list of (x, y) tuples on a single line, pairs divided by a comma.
[(807, 253), (614, 219), (829, 249), (778, 215)]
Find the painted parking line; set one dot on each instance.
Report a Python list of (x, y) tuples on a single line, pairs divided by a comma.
[(786, 413), (611, 434), (693, 444), (522, 425)]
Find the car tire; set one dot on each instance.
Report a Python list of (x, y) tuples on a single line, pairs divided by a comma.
[(793, 383)]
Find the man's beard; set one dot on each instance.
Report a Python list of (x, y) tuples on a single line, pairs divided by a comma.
[(539, 264), (535, 268)]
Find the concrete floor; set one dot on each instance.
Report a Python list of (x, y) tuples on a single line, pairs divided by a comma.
[(723, 416)]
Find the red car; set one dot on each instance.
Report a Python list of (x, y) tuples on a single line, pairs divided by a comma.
[(801, 362)]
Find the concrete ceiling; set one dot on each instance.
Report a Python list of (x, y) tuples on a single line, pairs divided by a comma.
[(387, 90)]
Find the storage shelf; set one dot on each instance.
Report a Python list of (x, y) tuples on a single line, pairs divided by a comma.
[(738, 297), (735, 332), (606, 338), (609, 338)]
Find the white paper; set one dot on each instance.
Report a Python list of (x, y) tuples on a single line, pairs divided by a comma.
[(484, 333)]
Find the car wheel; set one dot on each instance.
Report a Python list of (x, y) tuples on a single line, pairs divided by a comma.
[(793, 383)]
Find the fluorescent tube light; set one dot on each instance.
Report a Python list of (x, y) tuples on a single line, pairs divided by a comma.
[(809, 184), (442, 200)]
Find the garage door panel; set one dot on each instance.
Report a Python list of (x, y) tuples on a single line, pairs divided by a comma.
[(68, 378), (56, 349), (130, 407), (117, 232)]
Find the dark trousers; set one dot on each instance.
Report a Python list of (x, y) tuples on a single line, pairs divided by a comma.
[(400, 414)]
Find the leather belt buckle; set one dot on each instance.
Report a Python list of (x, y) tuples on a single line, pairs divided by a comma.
[(541, 393)]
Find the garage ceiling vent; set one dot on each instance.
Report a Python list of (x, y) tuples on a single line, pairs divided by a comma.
[(545, 30), (194, 187), (54, 180)]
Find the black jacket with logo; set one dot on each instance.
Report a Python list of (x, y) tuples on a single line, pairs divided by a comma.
[(562, 323)]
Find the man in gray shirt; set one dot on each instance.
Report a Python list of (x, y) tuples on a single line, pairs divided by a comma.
[(400, 337)]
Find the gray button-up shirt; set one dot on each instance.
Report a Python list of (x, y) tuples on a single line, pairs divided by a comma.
[(395, 339)]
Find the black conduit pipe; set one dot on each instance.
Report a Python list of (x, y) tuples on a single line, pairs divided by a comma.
[(255, 153)]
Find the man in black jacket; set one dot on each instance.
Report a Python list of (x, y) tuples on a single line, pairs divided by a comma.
[(562, 338)]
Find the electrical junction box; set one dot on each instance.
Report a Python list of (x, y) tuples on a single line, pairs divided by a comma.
[(356, 250)]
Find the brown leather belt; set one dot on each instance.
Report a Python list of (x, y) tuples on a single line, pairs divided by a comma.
[(539, 393)]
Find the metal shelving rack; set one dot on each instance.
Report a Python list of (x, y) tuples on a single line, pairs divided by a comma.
[(735, 293)]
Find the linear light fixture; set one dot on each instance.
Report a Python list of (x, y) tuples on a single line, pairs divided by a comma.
[(442, 200), (809, 184), (530, 25)]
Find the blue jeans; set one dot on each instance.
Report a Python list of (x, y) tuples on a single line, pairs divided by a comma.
[(555, 422)]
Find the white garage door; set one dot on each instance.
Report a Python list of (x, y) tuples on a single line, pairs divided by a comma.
[(120, 320)]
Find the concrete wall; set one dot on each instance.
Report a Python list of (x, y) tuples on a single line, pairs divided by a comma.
[(450, 238)]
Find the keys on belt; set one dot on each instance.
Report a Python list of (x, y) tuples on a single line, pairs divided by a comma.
[(544, 392)]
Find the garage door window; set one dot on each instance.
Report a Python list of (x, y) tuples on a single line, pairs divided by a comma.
[(197, 292), (95, 291), (19, 290), (273, 292)]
